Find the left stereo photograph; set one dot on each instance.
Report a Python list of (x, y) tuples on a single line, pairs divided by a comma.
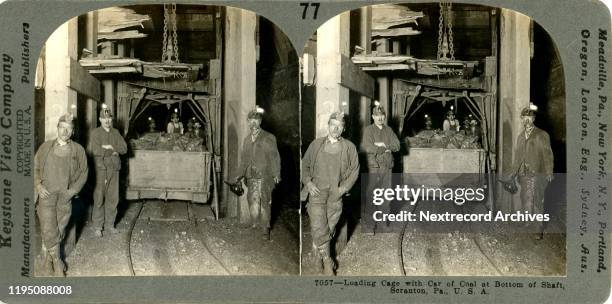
[(167, 143)]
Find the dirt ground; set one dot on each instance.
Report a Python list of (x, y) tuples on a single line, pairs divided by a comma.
[(172, 239), (453, 253), (167, 240)]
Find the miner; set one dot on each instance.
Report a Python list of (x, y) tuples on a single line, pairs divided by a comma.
[(330, 168), (378, 142), (60, 171), (175, 126), (106, 145), (260, 168), (534, 164)]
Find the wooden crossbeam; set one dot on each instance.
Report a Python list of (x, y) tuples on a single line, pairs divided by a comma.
[(354, 78), (82, 82), (121, 35)]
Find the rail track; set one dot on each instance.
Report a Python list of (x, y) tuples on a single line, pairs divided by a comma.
[(193, 224)]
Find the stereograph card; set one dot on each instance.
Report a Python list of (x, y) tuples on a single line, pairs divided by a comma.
[(304, 152)]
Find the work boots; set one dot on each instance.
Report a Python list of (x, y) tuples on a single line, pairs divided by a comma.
[(46, 263), (318, 259), (328, 266), (58, 265), (328, 263), (266, 233)]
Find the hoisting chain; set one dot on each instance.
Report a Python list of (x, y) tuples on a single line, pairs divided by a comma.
[(170, 39), (174, 34), (440, 29), (449, 21), (165, 37), (445, 32)]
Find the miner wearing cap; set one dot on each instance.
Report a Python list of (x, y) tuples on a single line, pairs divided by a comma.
[(152, 125), (60, 171), (174, 126), (106, 144), (260, 167), (379, 142), (330, 168), (451, 123), (194, 129), (534, 164)]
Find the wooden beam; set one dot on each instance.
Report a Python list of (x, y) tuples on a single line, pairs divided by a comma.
[(407, 51), (103, 62), (214, 77), (365, 41), (514, 90), (405, 31), (108, 49), (174, 85), (91, 42), (59, 98), (388, 15), (492, 86), (382, 59), (354, 78), (454, 83), (116, 18), (382, 46), (390, 67), (396, 47), (239, 98), (92, 33), (121, 35), (406, 108), (365, 29), (383, 94), (332, 41), (82, 82), (115, 70)]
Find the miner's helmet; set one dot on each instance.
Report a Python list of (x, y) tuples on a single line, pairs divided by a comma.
[(105, 112), (339, 116), (191, 122), (378, 111), (256, 113), (529, 110), (236, 187), (66, 118)]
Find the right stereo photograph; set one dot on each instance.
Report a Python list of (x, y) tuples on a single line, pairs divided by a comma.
[(433, 144)]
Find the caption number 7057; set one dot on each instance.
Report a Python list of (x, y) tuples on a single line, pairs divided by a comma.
[(308, 4)]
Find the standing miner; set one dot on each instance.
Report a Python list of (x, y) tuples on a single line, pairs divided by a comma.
[(329, 169), (175, 126), (106, 144), (60, 171), (260, 166), (534, 164), (379, 142)]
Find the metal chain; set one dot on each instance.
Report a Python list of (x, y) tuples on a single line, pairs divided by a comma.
[(449, 21), (440, 29), (175, 51), (165, 38), (445, 31), (170, 49)]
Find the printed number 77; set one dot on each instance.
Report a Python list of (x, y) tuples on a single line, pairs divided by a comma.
[(306, 5)]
